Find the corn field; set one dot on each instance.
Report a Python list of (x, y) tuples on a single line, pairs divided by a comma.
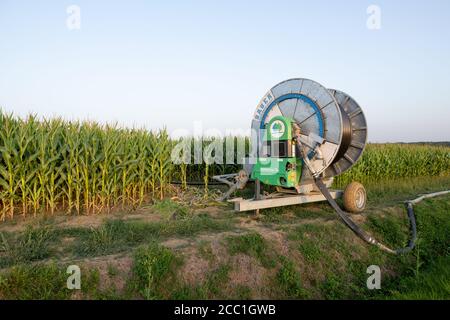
[(79, 167), (391, 161), (83, 167)]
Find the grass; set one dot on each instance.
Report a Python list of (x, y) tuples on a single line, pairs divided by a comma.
[(113, 236), (216, 280), (205, 251), (40, 242), (417, 275), (194, 225), (433, 224), (288, 279), (49, 282), (34, 282), (112, 270), (252, 244), (171, 209), (325, 260), (316, 240), (432, 283), (211, 288), (31, 245), (242, 292), (310, 251), (388, 192), (118, 235), (154, 271), (391, 227)]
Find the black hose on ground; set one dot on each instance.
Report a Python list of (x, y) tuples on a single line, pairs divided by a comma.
[(412, 227), (352, 225), (364, 235)]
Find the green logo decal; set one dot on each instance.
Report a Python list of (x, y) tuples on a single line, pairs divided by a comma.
[(277, 129)]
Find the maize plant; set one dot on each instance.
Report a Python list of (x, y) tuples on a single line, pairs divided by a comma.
[(83, 167), (391, 161), (78, 167)]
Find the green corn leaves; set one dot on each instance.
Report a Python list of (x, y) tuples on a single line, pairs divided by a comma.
[(391, 161), (55, 165), (83, 167)]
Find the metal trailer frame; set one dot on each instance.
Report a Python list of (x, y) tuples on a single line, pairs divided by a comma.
[(237, 181), (281, 199)]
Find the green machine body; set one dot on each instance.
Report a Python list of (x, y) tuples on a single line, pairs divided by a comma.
[(278, 163)]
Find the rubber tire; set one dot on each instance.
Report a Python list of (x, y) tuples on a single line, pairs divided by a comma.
[(350, 197)]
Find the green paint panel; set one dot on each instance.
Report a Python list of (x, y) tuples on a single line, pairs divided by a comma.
[(273, 171), (278, 168)]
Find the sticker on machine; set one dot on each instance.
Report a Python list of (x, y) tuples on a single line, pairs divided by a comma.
[(277, 129)]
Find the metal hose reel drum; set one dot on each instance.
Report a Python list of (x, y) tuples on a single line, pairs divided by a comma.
[(313, 108), (354, 135), (327, 116), (303, 133)]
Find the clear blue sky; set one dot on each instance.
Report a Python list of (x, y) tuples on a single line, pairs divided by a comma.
[(156, 63)]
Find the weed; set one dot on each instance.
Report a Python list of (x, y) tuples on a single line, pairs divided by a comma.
[(112, 270), (273, 215), (101, 240), (34, 243), (310, 250), (252, 244), (288, 279), (217, 279), (211, 288), (332, 287), (431, 283), (31, 245), (154, 271), (90, 280), (390, 228), (205, 251), (32, 282), (194, 225), (242, 292), (171, 209)]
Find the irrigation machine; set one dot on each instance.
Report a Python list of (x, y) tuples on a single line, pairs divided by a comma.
[(304, 135)]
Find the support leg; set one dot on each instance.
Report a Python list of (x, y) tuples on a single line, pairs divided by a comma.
[(258, 192), (257, 189)]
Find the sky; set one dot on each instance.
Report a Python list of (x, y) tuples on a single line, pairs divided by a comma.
[(185, 64)]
